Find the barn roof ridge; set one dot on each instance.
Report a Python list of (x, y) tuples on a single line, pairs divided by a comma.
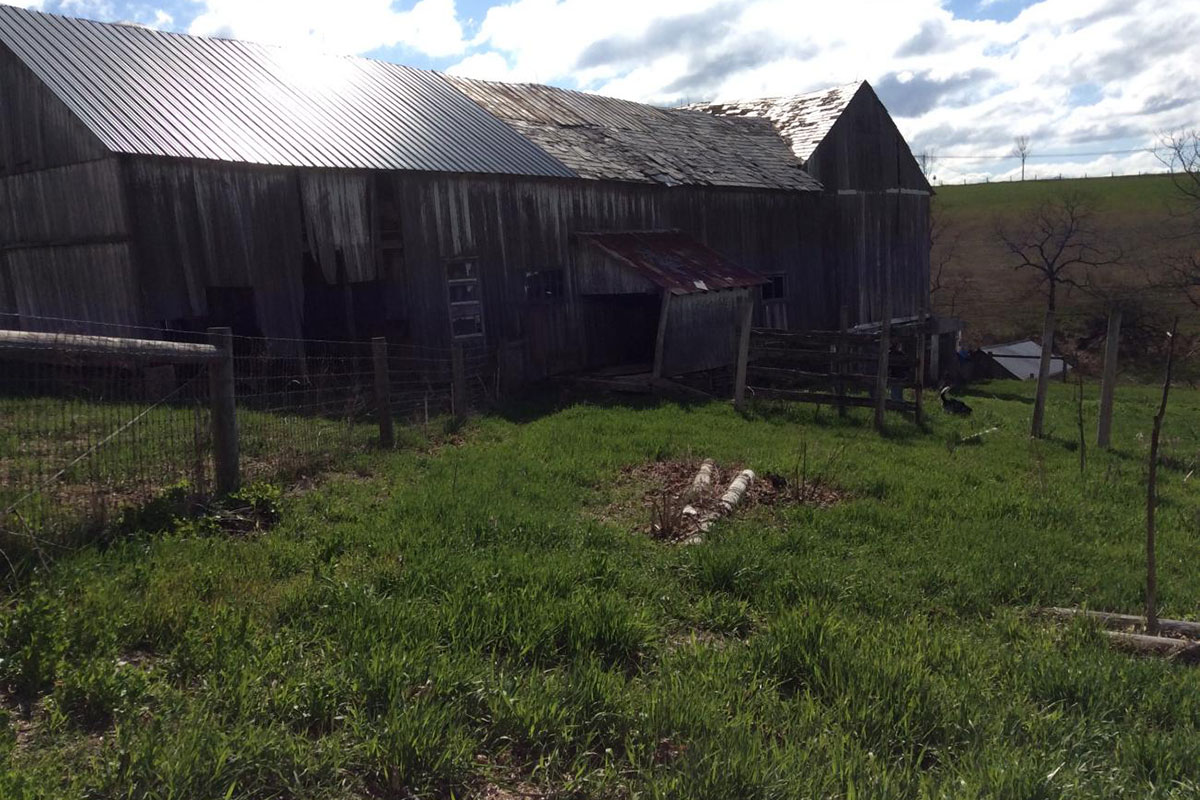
[(143, 91)]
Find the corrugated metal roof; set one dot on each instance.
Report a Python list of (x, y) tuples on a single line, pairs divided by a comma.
[(1022, 359), (804, 120), (674, 261), (147, 92), (610, 139)]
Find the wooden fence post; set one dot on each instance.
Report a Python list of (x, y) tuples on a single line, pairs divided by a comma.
[(840, 365), (383, 401), (881, 375), (224, 412), (1109, 380), (918, 392), (743, 352), (458, 373)]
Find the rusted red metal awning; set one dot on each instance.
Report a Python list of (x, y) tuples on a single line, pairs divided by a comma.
[(674, 261)]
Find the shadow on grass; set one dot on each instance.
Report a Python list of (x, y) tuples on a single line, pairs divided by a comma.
[(550, 397)]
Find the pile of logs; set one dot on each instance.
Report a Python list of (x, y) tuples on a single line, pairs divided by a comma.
[(729, 501)]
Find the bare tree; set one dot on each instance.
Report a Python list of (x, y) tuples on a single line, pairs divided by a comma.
[(1056, 241), (944, 240), (926, 160), (1152, 492), (1021, 151), (1180, 153)]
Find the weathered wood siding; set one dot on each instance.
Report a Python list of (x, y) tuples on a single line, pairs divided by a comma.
[(865, 150), (513, 226), (338, 224), (86, 282), (207, 225), (36, 129), (72, 204), (875, 231), (702, 331)]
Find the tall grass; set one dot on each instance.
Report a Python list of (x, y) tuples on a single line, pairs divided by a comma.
[(435, 621)]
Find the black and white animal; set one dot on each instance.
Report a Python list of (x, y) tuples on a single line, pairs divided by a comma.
[(952, 405)]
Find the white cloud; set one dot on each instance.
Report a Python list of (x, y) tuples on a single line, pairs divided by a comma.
[(955, 85), (348, 26)]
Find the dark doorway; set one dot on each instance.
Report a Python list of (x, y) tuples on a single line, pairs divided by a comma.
[(621, 329)]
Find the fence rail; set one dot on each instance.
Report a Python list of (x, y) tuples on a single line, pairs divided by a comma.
[(837, 367), (94, 425)]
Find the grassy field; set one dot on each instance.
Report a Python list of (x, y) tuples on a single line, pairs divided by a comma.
[(485, 617), (1132, 213)]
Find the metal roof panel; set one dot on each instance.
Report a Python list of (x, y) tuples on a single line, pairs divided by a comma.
[(147, 92), (674, 261)]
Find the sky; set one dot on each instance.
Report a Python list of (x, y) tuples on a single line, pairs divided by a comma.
[(1093, 84)]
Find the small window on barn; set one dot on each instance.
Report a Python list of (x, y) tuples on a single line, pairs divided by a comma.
[(544, 284), (775, 290), (774, 295), (464, 296)]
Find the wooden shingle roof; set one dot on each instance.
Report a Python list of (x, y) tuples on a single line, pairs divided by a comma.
[(606, 138), (804, 120)]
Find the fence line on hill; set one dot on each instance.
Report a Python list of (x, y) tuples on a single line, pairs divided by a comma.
[(96, 425)]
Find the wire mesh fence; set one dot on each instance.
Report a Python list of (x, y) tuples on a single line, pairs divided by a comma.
[(94, 425)]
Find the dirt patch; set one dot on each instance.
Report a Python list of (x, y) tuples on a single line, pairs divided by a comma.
[(660, 504)]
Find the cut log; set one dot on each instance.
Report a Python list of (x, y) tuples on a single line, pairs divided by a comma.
[(1111, 620), (1181, 650), (700, 483), (737, 490)]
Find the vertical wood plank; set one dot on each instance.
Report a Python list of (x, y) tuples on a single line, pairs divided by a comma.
[(661, 339), (223, 412)]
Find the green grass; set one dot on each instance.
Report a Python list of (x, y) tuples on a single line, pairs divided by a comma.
[(1138, 194), (72, 467), (448, 618)]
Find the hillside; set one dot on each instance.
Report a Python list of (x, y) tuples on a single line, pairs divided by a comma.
[(979, 285)]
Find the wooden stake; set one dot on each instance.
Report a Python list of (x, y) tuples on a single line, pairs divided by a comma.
[(743, 352), (1109, 380), (1151, 495), (458, 376), (881, 377), (1079, 414), (383, 404), (223, 412)]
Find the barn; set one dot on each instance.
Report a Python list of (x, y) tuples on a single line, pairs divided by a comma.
[(180, 182)]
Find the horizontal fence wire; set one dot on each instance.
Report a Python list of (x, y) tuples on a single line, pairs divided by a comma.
[(90, 434)]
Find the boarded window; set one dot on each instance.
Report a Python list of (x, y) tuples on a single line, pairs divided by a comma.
[(463, 293), (544, 284)]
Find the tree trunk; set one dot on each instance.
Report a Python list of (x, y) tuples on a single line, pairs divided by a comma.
[(1152, 496), (1039, 402)]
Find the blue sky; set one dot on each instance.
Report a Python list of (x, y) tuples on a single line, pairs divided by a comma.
[(1093, 83)]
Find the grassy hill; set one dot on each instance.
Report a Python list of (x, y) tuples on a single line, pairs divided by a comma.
[(489, 618), (979, 285)]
